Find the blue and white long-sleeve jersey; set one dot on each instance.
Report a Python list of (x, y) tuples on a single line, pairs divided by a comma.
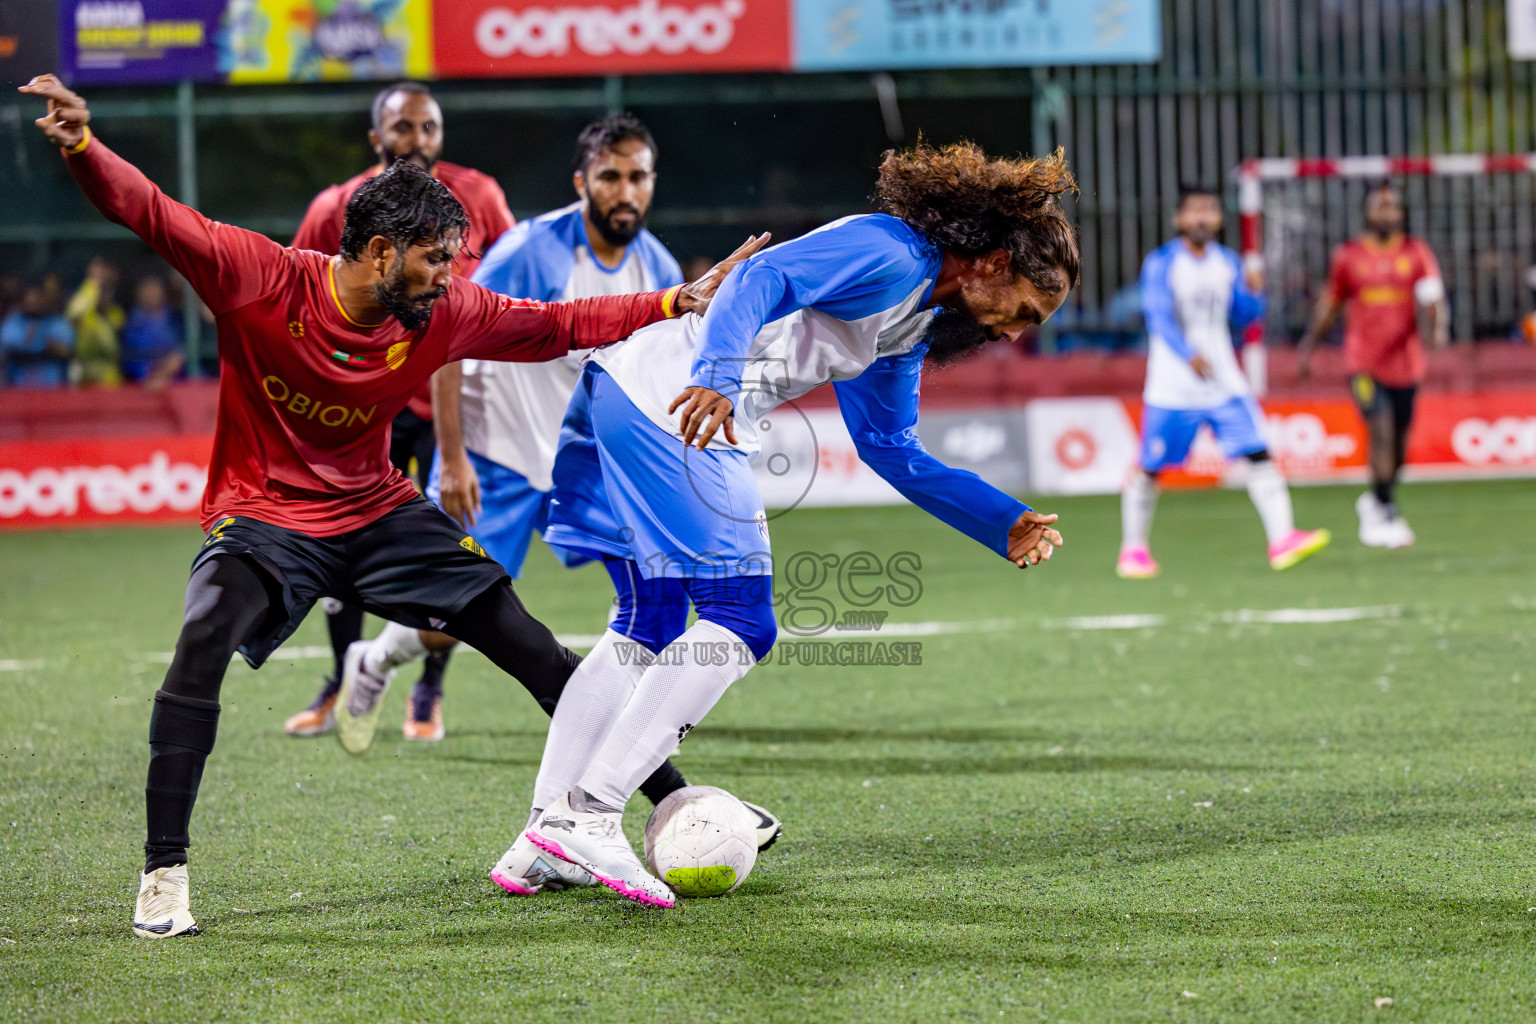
[(842, 304), (1190, 303)]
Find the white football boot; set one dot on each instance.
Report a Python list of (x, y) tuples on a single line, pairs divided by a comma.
[(525, 869), (359, 700), (1373, 521), (595, 840), (1395, 532), (162, 910), (769, 828)]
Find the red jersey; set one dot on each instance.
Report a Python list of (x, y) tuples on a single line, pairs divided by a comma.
[(306, 394), (1381, 330), (483, 201)]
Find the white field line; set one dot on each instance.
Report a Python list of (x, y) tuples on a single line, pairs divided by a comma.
[(586, 641), (1309, 616), (20, 666)]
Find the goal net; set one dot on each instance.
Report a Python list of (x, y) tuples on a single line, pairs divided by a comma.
[(1478, 214)]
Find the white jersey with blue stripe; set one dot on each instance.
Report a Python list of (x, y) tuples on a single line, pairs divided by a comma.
[(1190, 303), (819, 308), (842, 304)]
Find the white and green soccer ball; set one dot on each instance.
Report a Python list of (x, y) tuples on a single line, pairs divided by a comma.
[(701, 841)]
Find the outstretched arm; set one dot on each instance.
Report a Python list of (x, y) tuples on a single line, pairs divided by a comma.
[(1247, 290), (1329, 305), (228, 266), (880, 408), (1158, 310), (486, 325)]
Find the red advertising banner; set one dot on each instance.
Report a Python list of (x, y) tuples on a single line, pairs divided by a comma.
[(1087, 445), (102, 481), (525, 38), (1074, 445)]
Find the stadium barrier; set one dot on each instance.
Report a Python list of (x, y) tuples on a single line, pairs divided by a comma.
[(1042, 426)]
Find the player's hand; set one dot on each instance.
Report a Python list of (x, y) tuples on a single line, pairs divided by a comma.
[(704, 413), (1202, 366), (1031, 540), (67, 116), (695, 297), (459, 488), (1303, 362)]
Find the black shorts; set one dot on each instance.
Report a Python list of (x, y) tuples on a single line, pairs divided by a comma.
[(413, 565), (1371, 396)]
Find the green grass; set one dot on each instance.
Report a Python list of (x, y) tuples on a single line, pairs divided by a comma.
[(1203, 821)]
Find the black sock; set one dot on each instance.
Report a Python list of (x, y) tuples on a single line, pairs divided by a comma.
[(497, 625), (181, 735), (663, 781), (344, 628), (432, 670), (1383, 489)]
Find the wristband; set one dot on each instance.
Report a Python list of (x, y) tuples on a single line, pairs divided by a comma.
[(85, 140), (669, 301)]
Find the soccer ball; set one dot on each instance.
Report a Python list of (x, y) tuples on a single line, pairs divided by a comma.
[(701, 841)]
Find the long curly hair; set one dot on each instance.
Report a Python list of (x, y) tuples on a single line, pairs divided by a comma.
[(970, 205)]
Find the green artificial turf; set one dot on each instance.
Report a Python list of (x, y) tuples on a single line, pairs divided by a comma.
[(1207, 819)]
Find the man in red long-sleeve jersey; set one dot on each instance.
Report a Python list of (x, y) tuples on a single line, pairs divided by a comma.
[(407, 125), (317, 354)]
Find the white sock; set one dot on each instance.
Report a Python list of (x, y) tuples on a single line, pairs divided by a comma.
[(1137, 503), (672, 697), (1272, 498), (591, 702), (392, 648)]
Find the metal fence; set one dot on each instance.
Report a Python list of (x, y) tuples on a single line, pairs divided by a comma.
[(1238, 79), (1313, 78)]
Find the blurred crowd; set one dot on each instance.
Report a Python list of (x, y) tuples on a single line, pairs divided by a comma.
[(102, 332)]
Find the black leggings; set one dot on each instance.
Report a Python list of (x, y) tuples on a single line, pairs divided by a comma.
[(228, 598)]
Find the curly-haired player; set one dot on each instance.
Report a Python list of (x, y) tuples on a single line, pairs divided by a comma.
[(655, 460)]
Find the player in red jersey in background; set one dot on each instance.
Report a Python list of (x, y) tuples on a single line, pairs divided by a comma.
[(1386, 280), (407, 125), (316, 355)]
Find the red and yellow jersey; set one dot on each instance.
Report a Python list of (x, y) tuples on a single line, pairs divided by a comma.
[(483, 201), (306, 393), (1381, 333)]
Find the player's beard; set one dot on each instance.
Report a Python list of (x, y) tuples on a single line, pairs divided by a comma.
[(952, 335), (612, 233), (416, 156), (393, 293)]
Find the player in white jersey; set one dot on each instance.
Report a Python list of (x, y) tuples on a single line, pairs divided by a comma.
[(1193, 289), (497, 431), (656, 452)]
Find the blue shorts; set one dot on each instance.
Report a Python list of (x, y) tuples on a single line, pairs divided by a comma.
[(511, 509), (1166, 434), (580, 518), (675, 511)]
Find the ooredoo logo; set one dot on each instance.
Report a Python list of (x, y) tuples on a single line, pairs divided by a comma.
[(1508, 439), (154, 486), (1302, 441), (640, 28)]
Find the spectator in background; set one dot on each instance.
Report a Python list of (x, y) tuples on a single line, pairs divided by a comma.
[(152, 338), (11, 287), (96, 317), (36, 342)]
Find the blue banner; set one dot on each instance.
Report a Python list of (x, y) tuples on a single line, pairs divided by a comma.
[(876, 35)]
